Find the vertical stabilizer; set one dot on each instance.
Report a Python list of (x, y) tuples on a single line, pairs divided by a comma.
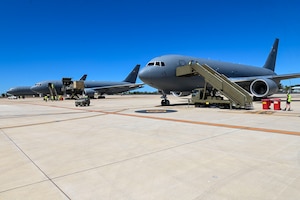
[(83, 77), (131, 78), (271, 60)]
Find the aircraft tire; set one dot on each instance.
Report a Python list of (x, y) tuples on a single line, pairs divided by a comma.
[(165, 102)]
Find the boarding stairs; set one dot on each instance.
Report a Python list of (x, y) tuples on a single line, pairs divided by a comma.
[(238, 97), (53, 92)]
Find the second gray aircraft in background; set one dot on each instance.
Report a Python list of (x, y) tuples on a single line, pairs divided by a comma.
[(91, 88)]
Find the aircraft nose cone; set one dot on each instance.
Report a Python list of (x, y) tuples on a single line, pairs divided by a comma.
[(144, 75), (34, 88), (10, 91)]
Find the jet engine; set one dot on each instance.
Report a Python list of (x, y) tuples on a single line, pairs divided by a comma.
[(180, 94), (89, 92), (263, 87)]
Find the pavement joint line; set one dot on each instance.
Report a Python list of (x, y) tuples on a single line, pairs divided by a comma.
[(22, 186), (27, 156), (37, 115), (49, 122), (143, 155)]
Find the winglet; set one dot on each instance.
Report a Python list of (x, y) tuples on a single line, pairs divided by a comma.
[(131, 78), (271, 60)]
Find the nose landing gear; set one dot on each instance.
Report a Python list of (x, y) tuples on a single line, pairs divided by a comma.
[(165, 101)]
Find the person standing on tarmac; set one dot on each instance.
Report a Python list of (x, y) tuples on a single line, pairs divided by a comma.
[(288, 102)]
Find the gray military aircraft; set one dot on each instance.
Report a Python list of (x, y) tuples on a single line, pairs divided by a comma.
[(21, 91), (160, 73), (93, 87)]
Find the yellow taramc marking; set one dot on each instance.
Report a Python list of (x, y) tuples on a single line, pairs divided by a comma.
[(215, 124), (155, 111), (190, 122)]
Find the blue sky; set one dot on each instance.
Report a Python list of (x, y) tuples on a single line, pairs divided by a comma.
[(51, 39)]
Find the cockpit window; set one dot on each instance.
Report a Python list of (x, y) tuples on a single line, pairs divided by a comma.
[(156, 63)]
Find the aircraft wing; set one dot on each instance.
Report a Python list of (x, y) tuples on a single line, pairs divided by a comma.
[(113, 89), (273, 77)]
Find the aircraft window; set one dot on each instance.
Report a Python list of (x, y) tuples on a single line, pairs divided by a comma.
[(156, 63)]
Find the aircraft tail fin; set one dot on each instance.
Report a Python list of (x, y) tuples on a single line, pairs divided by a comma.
[(271, 60), (83, 77), (131, 78)]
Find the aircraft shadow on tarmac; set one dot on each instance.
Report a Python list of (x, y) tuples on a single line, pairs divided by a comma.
[(155, 111)]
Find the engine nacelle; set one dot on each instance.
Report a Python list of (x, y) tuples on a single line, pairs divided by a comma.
[(180, 94), (263, 87), (89, 92)]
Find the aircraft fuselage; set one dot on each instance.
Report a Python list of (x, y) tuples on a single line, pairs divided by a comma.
[(160, 72)]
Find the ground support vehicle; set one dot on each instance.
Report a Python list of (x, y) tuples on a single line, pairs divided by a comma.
[(84, 101)]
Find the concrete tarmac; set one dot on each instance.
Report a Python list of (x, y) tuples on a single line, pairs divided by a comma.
[(129, 147)]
